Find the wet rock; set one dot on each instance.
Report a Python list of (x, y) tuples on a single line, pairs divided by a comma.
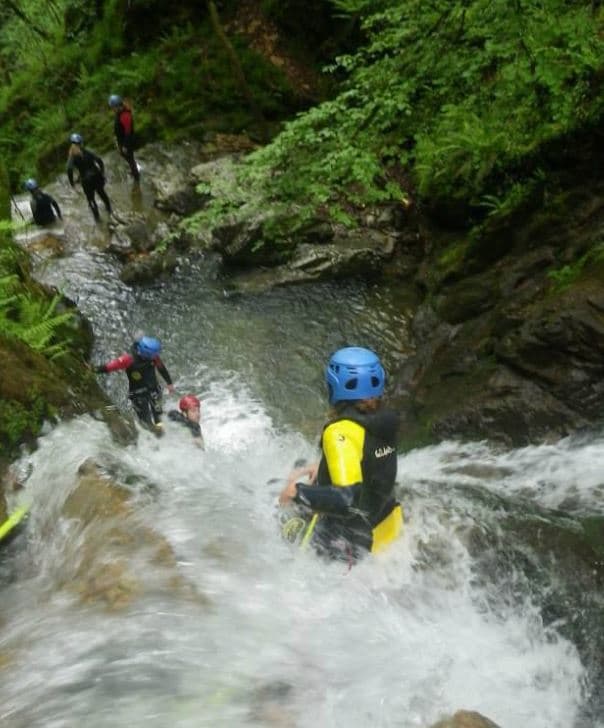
[(148, 268), (362, 254), (104, 560), (465, 719), (131, 235), (44, 245)]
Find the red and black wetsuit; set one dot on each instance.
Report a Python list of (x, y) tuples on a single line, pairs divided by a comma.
[(123, 127), (194, 427), (144, 390)]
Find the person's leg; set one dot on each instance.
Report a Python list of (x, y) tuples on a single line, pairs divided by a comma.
[(89, 192), (156, 406), (103, 195), (141, 403), (128, 155)]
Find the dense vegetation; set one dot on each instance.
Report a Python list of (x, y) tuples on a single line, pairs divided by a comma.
[(457, 102), (60, 59), (464, 104), (42, 343)]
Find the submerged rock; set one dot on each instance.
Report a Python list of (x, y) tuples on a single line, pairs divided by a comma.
[(465, 719)]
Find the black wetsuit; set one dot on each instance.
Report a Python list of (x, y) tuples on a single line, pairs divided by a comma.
[(92, 177), (194, 427), (123, 127), (356, 479), (43, 208)]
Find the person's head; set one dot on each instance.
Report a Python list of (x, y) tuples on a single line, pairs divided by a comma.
[(190, 406), (76, 144), (115, 101), (354, 375), (147, 347), (31, 185)]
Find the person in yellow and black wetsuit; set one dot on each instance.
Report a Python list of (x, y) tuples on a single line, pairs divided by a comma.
[(353, 491)]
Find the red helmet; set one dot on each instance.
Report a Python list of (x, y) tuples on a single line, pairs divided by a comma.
[(188, 402)]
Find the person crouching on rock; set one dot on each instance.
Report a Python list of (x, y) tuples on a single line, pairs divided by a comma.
[(44, 208)]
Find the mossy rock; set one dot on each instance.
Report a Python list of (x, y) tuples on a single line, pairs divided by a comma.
[(34, 389)]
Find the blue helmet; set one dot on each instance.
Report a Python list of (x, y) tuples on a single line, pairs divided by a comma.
[(115, 101), (147, 347), (31, 184), (354, 373), (76, 138)]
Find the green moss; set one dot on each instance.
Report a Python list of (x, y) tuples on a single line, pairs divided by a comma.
[(20, 420)]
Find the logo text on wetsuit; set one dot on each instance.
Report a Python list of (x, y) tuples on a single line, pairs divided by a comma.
[(382, 452)]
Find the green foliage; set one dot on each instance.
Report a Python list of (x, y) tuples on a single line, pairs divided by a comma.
[(566, 275), (17, 419), (464, 93), (174, 71), (26, 312)]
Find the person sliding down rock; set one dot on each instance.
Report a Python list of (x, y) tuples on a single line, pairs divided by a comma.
[(351, 489), (144, 391), (189, 415)]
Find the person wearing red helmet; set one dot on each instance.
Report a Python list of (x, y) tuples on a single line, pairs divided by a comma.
[(189, 415)]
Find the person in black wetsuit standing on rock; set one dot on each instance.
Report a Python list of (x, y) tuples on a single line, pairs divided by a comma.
[(91, 171)]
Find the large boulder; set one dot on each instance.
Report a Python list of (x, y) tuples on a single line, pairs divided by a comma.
[(111, 545)]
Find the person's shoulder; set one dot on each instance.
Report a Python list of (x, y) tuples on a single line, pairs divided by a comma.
[(175, 415), (340, 428)]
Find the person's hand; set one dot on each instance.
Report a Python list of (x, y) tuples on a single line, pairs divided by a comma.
[(309, 471), (171, 388), (288, 493)]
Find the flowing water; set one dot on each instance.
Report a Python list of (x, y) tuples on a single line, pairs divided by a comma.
[(473, 608)]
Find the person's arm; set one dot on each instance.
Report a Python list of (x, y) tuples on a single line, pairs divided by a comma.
[(70, 172), (309, 471), (118, 130), (162, 369), (326, 498), (55, 204), (122, 362), (98, 162), (199, 441), (343, 449)]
